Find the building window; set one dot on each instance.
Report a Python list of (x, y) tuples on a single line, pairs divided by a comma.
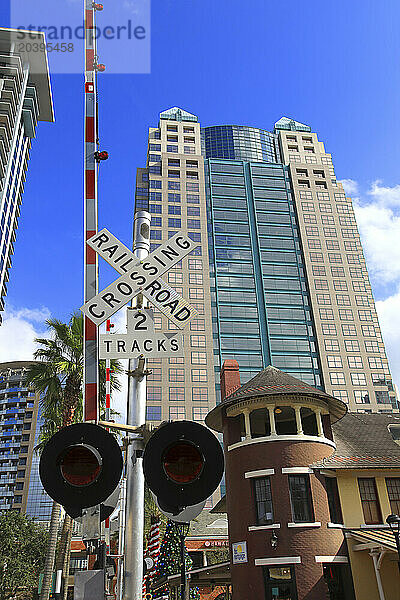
[(193, 211), (328, 329), (196, 293), (280, 583), (300, 499), (358, 379), (174, 223), (177, 375), (176, 394), (337, 271), (335, 510), (188, 149), (263, 501), (393, 490), (196, 278), (197, 325), (174, 197), (371, 346), (341, 394), (382, 397), (199, 358), (343, 299), (199, 394), (355, 362), (352, 346), (334, 361), (175, 278), (199, 375), (361, 396), (177, 412), (337, 378), (199, 413), (198, 341), (154, 393), (155, 375), (321, 284), (368, 330), (332, 345), (174, 185), (172, 148), (193, 224), (323, 299), (375, 362), (349, 330), (369, 500), (153, 413), (326, 314)]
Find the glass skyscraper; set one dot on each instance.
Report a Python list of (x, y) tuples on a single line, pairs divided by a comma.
[(25, 99), (280, 277), (20, 486)]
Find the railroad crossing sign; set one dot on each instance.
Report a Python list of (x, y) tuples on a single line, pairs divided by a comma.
[(140, 276), (141, 339)]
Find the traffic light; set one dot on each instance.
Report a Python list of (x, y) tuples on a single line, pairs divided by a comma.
[(183, 464), (80, 466)]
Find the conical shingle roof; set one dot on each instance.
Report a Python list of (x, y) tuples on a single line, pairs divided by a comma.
[(273, 382)]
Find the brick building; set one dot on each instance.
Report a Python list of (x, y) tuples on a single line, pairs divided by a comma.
[(282, 538)]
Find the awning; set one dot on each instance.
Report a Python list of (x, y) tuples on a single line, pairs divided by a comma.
[(218, 574), (372, 538)]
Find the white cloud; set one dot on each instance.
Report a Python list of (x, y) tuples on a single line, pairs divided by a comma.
[(378, 217), (18, 331), (384, 195), (379, 228), (389, 320), (350, 186)]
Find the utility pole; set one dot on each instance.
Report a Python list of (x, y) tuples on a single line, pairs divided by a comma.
[(136, 415)]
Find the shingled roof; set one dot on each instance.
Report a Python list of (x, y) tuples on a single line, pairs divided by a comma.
[(273, 382), (363, 441)]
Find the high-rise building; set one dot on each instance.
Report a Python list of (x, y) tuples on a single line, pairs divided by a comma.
[(279, 279), (25, 99), (20, 487)]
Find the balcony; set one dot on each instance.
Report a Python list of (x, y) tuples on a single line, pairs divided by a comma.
[(8, 469)]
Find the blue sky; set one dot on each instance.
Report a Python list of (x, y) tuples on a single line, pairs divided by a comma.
[(333, 65)]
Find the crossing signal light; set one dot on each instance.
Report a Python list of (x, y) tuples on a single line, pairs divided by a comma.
[(183, 464), (80, 466)]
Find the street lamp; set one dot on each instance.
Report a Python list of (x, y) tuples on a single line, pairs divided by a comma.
[(394, 523), (183, 530)]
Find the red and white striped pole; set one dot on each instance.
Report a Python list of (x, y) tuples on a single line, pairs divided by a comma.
[(109, 326), (90, 339)]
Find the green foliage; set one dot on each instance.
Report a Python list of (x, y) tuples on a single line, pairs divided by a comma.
[(22, 554), (169, 560), (214, 557), (58, 375)]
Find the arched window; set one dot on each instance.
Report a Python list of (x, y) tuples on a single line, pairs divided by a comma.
[(285, 420), (259, 423), (309, 421)]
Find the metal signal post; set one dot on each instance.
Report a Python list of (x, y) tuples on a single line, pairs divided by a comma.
[(90, 337), (136, 415)]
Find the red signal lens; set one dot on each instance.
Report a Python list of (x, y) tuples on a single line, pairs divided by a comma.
[(183, 462), (80, 465)]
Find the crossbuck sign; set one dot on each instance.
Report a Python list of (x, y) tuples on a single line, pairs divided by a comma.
[(140, 276)]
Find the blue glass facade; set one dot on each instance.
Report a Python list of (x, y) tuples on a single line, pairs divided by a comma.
[(261, 304), (39, 504)]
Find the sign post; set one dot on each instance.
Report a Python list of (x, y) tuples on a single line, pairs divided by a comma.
[(140, 277)]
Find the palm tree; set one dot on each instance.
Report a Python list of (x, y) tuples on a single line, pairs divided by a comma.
[(58, 377)]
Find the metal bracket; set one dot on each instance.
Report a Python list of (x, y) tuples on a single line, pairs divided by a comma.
[(91, 523)]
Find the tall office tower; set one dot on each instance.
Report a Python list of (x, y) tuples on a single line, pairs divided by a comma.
[(25, 98), (20, 487), (174, 184), (282, 267)]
